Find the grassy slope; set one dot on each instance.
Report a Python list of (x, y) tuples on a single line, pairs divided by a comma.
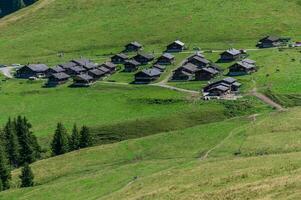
[(236, 168), (278, 75), (37, 33), (103, 104)]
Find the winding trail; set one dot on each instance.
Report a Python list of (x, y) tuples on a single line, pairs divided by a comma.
[(267, 100)]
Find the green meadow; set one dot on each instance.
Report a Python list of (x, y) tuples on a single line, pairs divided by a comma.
[(152, 142), (75, 27), (195, 163)]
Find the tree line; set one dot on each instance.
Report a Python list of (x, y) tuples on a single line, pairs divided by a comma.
[(10, 6), (19, 147)]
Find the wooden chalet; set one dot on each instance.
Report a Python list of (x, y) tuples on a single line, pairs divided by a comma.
[(144, 58), (249, 61), (147, 75), (68, 65), (119, 58), (162, 68), (32, 70), (133, 46), (166, 59), (186, 72), (218, 91), (57, 79), (229, 82), (105, 70), (241, 68), (205, 74), (110, 66), (131, 65), (176, 46), (55, 70), (232, 55), (83, 80), (198, 54), (96, 74), (74, 71), (269, 41), (199, 61), (85, 63)]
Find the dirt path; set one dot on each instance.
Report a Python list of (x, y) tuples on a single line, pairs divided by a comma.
[(267, 100)]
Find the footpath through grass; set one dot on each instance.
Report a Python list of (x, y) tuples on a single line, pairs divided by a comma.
[(253, 157)]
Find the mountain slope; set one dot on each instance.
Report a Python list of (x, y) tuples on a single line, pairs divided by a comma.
[(248, 159), (94, 27)]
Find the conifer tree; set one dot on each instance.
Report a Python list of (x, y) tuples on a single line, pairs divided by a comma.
[(27, 141), (11, 143), (60, 141), (27, 176), (85, 137), (5, 174), (75, 139), (1, 185), (29, 2)]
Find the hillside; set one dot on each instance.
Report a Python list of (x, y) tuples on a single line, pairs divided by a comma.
[(248, 159), (75, 27), (162, 140)]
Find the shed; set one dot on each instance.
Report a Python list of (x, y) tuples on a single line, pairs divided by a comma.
[(131, 65), (133, 46), (144, 58), (96, 74), (231, 55), (147, 75), (205, 74), (241, 68), (199, 61), (57, 79), (119, 58), (83, 80), (32, 70), (166, 59), (110, 66), (176, 46), (159, 67)]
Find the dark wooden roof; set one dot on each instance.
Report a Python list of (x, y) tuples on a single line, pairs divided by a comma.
[(168, 56), (150, 72), (135, 43), (233, 52), (57, 69), (37, 67), (132, 62), (121, 55), (84, 77), (96, 72), (68, 65), (60, 76)]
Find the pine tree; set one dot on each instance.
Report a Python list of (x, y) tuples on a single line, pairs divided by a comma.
[(5, 174), (1, 185), (11, 143), (74, 140), (10, 6), (85, 137), (60, 141), (29, 148), (29, 2), (27, 176)]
